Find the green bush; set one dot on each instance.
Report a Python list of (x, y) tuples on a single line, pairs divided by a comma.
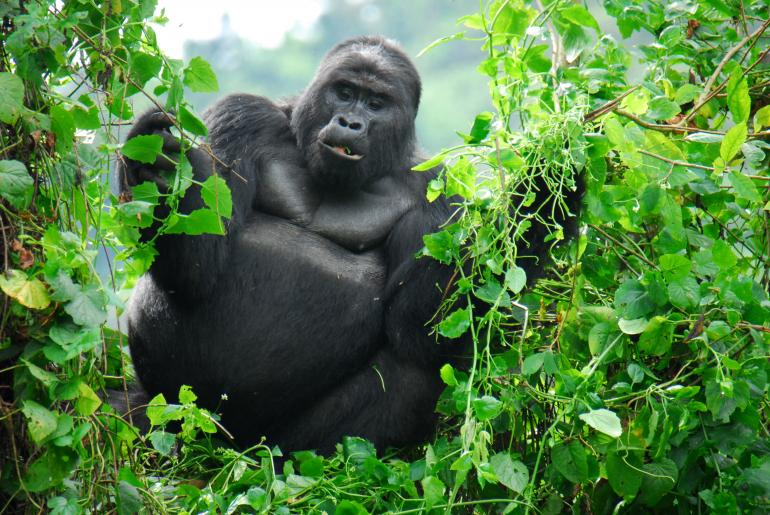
[(631, 378)]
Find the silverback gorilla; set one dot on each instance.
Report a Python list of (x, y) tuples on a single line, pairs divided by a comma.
[(307, 321)]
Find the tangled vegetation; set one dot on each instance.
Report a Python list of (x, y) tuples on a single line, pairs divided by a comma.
[(633, 377)]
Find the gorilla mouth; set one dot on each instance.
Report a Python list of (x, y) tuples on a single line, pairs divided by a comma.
[(342, 151)]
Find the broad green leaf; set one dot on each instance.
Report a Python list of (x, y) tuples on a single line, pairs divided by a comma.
[(704, 137), (731, 145), (199, 77), (513, 474), (144, 67), (191, 122), (200, 221), (11, 98), (634, 326), (433, 489), (659, 478), (487, 407), (633, 300), (604, 421), (661, 108), (624, 474), (50, 469), (580, 15), (762, 118), (456, 324), (144, 149), (723, 255), (440, 246), (571, 460), (41, 422), (87, 402), (448, 375), (480, 127), (186, 395), (461, 179), (738, 100), (533, 363), (162, 441), (657, 336), (216, 195), (637, 102), (63, 126), (684, 292), (15, 183), (88, 306), (346, 508), (674, 266), (29, 292), (744, 187), (687, 93), (515, 279)]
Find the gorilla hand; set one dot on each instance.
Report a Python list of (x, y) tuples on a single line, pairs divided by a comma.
[(133, 172)]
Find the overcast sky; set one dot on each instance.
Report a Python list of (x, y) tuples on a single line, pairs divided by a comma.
[(261, 21)]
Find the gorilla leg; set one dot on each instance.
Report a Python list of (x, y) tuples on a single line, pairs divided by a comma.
[(389, 402)]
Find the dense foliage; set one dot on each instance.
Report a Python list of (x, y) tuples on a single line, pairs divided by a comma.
[(631, 377)]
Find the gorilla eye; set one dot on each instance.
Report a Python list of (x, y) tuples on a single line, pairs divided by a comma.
[(375, 104), (344, 93)]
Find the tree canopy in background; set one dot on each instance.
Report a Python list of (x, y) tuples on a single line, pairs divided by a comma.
[(631, 378)]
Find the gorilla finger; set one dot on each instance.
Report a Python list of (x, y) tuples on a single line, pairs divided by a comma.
[(159, 120)]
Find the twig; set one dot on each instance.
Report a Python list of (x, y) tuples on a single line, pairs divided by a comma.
[(609, 106), (624, 247), (674, 162)]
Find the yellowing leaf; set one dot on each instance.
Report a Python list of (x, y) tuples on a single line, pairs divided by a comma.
[(28, 292)]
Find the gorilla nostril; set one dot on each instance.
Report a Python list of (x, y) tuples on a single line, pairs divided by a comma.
[(355, 126), (342, 121)]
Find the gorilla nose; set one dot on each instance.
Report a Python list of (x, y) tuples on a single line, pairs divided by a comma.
[(350, 122)]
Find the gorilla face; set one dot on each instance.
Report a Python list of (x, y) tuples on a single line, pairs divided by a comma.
[(355, 122)]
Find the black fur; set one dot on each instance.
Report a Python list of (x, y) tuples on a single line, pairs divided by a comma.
[(309, 315), (307, 321)]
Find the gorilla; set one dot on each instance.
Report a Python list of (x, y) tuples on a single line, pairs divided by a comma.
[(308, 320)]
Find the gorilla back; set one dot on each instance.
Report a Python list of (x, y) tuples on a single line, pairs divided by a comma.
[(307, 321)]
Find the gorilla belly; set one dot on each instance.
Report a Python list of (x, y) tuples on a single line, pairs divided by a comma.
[(289, 300)]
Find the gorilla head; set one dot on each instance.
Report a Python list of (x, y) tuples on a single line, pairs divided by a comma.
[(355, 122)]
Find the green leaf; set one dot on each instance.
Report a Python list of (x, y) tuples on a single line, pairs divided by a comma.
[(448, 375), (16, 183), (633, 300), (200, 221), (571, 460), (144, 67), (661, 108), (216, 195), (88, 307), (433, 489), (738, 100), (581, 16), (623, 474), (723, 255), (40, 421), (659, 479), (687, 93), (604, 421), (657, 336), (199, 77), (191, 122), (684, 292), (515, 279), (480, 127), (350, 508), (744, 187), (704, 137), (63, 126), (186, 395), (513, 474), (731, 145), (533, 363), (144, 149), (162, 441), (430, 163), (762, 118), (11, 98), (674, 266), (29, 292), (456, 324), (87, 402), (487, 407), (634, 326)]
